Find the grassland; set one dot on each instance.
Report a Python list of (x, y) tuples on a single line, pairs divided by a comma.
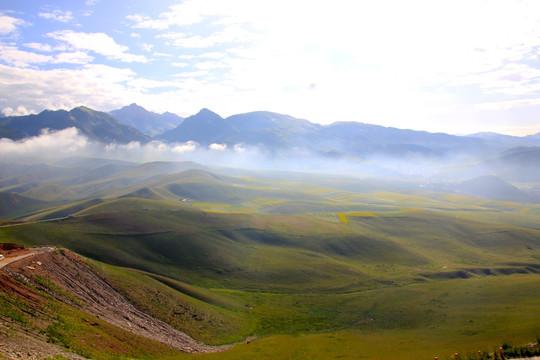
[(314, 270)]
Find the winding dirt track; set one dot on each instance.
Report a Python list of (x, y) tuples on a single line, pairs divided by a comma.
[(33, 252)]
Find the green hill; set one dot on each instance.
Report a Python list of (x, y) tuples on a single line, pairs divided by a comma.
[(13, 205), (287, 252), (436, 273)]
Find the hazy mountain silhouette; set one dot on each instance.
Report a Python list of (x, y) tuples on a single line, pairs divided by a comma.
[(269, 132), (145, 121), (492, 187), (205, 127), (96, 125)]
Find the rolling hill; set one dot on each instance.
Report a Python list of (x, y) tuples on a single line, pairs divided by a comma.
[(492, 187), (303, 265), (13, 205)]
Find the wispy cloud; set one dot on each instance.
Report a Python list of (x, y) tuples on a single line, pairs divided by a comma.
[(39, 47), (57, 15), (99, 43), (9, 24), (187, 13), (233, 34), (20, 58), (23, 59), (76, 57)]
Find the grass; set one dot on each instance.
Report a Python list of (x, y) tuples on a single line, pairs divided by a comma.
[(94, 338), (207, 316), (334, 273), (429, 320)]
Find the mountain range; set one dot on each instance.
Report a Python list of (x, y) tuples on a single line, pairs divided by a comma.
[(147, 122), (96, 125), (509, 157)]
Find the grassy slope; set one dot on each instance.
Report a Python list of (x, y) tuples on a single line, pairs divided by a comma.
[(270, 274), (434, 281)]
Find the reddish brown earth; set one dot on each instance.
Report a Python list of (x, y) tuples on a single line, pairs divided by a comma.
[(86, 290)]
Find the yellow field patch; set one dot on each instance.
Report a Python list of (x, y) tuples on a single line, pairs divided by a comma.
[(211, 205), (346, 197), (268, 202), (319, 191), (343, 216)]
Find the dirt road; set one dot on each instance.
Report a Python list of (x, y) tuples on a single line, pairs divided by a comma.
[(32, 252)]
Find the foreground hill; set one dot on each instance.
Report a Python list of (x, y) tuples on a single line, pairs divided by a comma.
[(96, 125), (80, 311), (347, 285)]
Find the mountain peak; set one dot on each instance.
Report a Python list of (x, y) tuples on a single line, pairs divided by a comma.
[(205, 127), (206, 112)]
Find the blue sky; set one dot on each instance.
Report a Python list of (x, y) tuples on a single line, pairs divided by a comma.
[(452, 66)]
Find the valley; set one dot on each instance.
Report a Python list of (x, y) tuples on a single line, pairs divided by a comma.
[(326, 266)]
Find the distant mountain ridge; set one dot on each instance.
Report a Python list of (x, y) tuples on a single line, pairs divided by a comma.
[(96, 125), (145, 121), (269, 132), (205, 127), (276, 133)]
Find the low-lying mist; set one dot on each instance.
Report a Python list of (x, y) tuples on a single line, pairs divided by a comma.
[(439, 173), (51, 146)]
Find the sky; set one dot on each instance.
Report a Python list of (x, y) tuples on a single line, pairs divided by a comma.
[(458, 67)]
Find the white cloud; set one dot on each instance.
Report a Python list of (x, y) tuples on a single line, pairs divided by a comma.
[(100, 43), (187, 13), (179, 64), (98, 86), (214, 55), (147, 47), (39, 47), (23, 59), (369, 61), (192, 74), (239, 148), (233, 34), (77, 57), (218, 147), (505, 105), (183, 148), (9, 24), (209, 65), (57, 15), (19, 111), (155, 53), (47, 145), (20, 58)]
